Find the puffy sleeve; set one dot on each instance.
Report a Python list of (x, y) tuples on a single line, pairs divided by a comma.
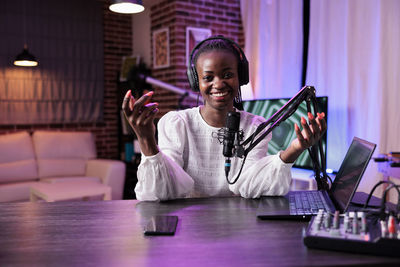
[(161, 176), (262, 174)]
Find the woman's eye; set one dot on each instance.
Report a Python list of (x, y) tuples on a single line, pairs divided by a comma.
[(228, 75), (207, 78)]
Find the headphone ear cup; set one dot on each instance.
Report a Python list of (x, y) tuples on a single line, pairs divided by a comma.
[(243, 72), (193, 79)]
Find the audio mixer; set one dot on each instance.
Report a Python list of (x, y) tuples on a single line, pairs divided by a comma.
[(353, 232)]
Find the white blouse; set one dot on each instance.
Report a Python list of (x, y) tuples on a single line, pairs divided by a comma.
[(191, 164)]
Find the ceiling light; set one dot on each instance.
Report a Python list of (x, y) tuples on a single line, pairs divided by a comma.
[(127, 6), (25, 59)]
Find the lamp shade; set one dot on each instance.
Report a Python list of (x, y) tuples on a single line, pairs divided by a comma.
[(127, 6), (25, 59)]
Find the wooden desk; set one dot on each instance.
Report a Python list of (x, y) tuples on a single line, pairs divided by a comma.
[(210, 232)]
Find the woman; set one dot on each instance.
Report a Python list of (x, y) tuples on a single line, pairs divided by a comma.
[(188, 160)]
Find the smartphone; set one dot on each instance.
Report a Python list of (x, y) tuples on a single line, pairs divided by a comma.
[(161, 225)]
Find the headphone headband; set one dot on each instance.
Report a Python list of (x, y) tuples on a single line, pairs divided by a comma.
[(243, 64)]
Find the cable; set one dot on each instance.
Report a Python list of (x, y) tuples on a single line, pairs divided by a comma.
[(362, 205), (373, 190), (380, 211), (383, 200)]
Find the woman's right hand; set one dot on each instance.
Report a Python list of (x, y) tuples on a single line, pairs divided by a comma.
[(140, 115)]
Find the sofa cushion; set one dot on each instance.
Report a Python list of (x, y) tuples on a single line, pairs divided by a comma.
[(17, 159), (65, 167), (63, 153)]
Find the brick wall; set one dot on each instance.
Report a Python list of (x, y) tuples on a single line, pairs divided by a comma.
[(117, 43), (221, 16)]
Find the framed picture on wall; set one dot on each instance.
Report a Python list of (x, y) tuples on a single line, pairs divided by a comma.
[(161, 48), (127, 63), (193, 37)]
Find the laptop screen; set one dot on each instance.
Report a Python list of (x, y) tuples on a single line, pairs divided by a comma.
[(351, 171)]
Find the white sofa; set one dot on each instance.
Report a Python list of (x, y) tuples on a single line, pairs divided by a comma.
[(52, 157)]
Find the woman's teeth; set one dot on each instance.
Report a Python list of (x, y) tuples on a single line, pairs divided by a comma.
[(219, 94)]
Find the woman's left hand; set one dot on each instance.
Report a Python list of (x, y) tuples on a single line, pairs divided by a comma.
[(311, 133)]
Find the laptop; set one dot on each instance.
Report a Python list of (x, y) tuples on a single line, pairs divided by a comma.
[(338, 197)]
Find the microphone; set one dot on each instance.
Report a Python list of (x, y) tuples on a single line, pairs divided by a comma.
[(230, 132)]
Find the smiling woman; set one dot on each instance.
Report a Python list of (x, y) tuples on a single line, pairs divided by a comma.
[(219, 85), (188, 160)]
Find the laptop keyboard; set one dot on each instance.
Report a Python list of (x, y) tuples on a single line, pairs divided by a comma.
[(307, 202)]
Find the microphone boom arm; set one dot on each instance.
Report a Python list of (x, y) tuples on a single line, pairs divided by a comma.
[(307, 93), (184, 93)]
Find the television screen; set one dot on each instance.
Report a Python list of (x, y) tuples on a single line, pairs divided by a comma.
[(283, 135)]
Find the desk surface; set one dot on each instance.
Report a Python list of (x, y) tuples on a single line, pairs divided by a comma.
[(210, 232)]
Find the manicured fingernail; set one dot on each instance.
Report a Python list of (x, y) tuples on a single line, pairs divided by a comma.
[(310, 116), (296, 127), (150, 93), (151, 105), (303, 121)]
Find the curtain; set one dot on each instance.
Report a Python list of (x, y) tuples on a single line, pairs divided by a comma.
[(67, 39), (273, 45), (353, 58)]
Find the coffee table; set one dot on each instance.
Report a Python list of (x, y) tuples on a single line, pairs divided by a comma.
[(67, 190)]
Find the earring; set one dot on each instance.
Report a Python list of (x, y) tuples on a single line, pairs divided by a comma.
[(238, 97)]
